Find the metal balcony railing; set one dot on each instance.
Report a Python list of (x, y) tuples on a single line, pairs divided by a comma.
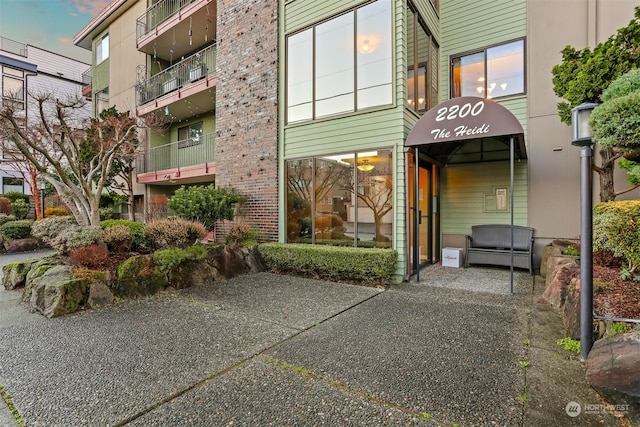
[(189, 70), (86, 76), (157, 14), (13, 46), (186, 152)]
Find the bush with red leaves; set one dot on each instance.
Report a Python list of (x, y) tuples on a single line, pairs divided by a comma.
[(90, 256)]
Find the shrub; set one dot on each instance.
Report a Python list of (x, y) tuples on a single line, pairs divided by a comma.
[(14, 196), (6, 218), (178, 233), (105, 213), (167, 259), (16, 229), (205, 204), (56, 211), (20, 208), (91, 256), (48, 229), (616, 228), (241, 235), (5, 206), (331, 262), (75, 237), (118, 238), (138, 239)]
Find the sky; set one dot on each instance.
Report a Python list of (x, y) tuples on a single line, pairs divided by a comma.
[(49, 24)]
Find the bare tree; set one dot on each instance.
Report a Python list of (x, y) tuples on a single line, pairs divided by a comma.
[(76, 158)]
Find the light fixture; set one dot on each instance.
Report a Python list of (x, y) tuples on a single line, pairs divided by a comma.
[(581, 137), (166, 110), (420, 101), (480, 89), (367, 45), (365, 166), (503, 86), (580, 130)]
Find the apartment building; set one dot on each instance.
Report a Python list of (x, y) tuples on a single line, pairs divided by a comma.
[(366, 93), (319, 112), (28, 69), (208, 70)]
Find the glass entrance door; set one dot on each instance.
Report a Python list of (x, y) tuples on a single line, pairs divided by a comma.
[(424, 220)]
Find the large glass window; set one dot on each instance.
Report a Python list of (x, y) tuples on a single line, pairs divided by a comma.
[(344, 199), (422, 69), (491, 73), (341, 65), (102, 49), (13, 89), (12, 185)]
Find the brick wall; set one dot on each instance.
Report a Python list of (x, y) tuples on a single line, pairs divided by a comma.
[(247, 109)]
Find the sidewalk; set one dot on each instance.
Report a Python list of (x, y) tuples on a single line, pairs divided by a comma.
[(275, 350)]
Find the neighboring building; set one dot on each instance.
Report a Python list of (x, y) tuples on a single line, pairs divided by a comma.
[(307, 108), (209, 70), (29, 69)]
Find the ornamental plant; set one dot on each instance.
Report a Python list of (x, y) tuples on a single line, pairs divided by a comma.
[(205, 204), (16, 229), (20, 208), (75, 237), (137, 236), (49, 228), (176, 233), (616, 228)]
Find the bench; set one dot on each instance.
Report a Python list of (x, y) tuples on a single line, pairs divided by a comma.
[(491, 244)]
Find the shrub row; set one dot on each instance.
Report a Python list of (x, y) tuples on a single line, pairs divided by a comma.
[(371, 266)]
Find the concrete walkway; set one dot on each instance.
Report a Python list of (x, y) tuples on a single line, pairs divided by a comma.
[(265, 349)]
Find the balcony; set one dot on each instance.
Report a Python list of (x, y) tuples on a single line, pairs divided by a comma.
[(176, 27), (182, 162)]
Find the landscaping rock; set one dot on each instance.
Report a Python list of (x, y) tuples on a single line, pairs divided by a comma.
[(138, 275), (21, 245), (99, 295), (571, 317), (38, 268), (612, 369), (559, 269), (15, 274), (555, 248), (56, 292)]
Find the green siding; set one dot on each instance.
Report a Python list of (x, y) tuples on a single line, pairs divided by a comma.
[(463, 189), (302, 13), (470, 25)]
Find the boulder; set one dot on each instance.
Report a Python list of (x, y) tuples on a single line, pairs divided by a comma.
[(612, 369), (571, 317), (560, 270), (56, 292), (38, 268), (99, 295), (21, 245), (15, 274), (555, 248), (138, 275)]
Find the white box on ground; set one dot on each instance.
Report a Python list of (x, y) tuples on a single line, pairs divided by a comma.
[(452, 257)]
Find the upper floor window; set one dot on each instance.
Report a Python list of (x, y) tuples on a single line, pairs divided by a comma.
[(12, 185), (13, 88), (422, 68), (490, 73), (102, 49), (341, 65)]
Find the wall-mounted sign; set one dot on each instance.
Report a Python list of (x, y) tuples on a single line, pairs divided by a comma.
[(464, 118)]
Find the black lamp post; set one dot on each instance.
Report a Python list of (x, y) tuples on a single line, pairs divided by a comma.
[(581, 136)]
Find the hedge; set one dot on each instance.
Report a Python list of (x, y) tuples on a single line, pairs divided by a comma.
[(16, 229), (616, 228), (370, 266)]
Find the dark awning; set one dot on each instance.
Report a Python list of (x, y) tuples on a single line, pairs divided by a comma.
[(467, 130)]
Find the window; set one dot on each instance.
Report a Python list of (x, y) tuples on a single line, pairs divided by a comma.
[(344, 199), (13, 89), (101, 101), (11, 184), (189, 136), (102, 49), (341, 65), (491, 73), (422, 71)]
